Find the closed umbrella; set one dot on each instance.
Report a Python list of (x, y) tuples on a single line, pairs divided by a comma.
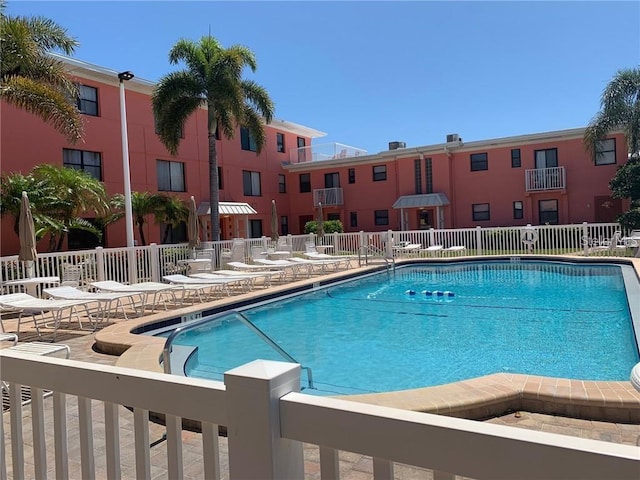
[(320, 221), (193, 229), (274, 221), (27, 234)]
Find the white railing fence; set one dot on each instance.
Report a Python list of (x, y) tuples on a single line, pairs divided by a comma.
[(267, 421), (153, 261)]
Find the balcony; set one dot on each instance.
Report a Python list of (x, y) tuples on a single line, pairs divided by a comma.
[(324, 151), (539, 179), (328, 197)]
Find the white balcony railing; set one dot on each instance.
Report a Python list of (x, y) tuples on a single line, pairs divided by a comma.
[(553, 178), (324, 151), (77, 433), (327, 196)]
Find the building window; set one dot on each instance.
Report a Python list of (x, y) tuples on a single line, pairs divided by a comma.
[(515, 158), (282, 183), (606, 152), (417, 175), (479, 161), (255, 228), (220, 182), (305, 182), (381, 217), (280, 142), (331, 180), (481, 212), (353, 219), (518, 210), (251, 183), (352, 175), (379, 173), (428, 168), (90, 162), (546, 158), (173, 234), (247, 142), (548, 212), (88, 100), (302, 152), (170, 176), (284, 225)]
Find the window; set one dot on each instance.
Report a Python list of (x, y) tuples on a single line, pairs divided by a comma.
[(89, 162), (548, 211), (479, 161), (518, 210), (302, 152), (333, 216), (284, 225), (251, 183), (174, 234), (546, 158), (515, 158), (379, 173), (352, 175), (84, 239), (428, 167), (481, 212), (170, 176), (220, 182), (255, 228), (88, 100), (247, 142), (305, 182), (353, 219), (280, 142), (381, 217), (417, 175), (331, 180), (606, 152), (282, 183)]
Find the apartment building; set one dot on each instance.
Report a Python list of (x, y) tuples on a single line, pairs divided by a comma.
[(537, 178)]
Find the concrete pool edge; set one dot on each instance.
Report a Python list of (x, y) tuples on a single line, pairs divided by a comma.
[(476, 398)]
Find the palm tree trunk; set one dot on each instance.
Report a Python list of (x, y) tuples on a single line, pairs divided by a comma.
[(214, 193), (141, 232)]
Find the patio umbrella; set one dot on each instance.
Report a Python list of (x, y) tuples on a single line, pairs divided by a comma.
[(274, 221), (320, 221), (27, 234), (193, 229)]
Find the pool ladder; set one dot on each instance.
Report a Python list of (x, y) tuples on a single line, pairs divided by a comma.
[(389, 261)]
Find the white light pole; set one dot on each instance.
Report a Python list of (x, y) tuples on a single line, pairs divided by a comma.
[(128, 212)]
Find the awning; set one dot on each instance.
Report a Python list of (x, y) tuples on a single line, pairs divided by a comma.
[(424, 200), (227, 208)]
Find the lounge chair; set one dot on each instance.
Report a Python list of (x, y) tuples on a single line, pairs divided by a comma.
[(322, 263), (108, 302), (251, 277), (27, 304), (312, 252), (406, 248), (249, 267), (433, 250), (285, 264), (157, 290), (610, 246), (203, 283), (454, 250)]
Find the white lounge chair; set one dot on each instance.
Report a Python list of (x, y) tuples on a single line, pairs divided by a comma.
[(294, 267), (455, 250), (251, 277), (433, 250), (249, 267), (157, 291), (27, 304), (322, 263), (312, 252), (108, 302), (406, 248), (203, 283)]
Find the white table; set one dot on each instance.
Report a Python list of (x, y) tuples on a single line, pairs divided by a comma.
[(197, 264), (31, 284)]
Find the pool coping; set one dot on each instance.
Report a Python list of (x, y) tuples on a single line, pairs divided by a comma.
[(476, 398)]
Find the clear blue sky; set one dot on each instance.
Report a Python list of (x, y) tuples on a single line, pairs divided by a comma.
[(368, 73)]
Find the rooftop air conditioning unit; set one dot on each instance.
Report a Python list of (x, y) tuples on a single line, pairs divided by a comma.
[(397, 145), (453, 138)]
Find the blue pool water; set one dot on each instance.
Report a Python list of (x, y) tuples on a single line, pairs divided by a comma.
[(372, 335)]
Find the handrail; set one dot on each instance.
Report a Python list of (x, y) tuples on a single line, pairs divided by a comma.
[(166, 352), (374, 249)]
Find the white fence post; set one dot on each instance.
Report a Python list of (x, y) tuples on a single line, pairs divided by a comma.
[(478, 240), (100, 276), (585, 238), (154, 258), (256, 449), (132, 265), (390, 243)]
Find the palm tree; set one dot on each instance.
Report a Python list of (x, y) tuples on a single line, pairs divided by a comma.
[(213, 79), (173, 211), (620, 109), (142, 205), (33, 80)]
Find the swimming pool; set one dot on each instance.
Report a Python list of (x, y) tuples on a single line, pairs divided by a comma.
[(382, 333)]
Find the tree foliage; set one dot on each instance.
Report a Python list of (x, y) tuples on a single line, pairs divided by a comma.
[(329, 226), (626, 184)]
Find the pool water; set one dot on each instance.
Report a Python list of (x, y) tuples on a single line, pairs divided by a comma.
[(384, 333)]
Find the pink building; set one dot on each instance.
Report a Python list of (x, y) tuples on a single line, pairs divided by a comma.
[(538, 178)]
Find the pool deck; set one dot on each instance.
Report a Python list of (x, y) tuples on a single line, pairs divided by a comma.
[(477, 398)]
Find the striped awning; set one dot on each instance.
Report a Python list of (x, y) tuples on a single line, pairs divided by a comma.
[(424, 200), (227, 208)]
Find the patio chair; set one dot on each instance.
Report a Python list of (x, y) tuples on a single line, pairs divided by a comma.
[(157, 291), (265, 275), (455, 250), (203, 283), (406, 248), (610, 246), (108, 302), (433, 250), (312, 252), (33, 306), (287, 265), (71, 275)]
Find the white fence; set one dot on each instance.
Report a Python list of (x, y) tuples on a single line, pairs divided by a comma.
[(267, 421), (154, 261)]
